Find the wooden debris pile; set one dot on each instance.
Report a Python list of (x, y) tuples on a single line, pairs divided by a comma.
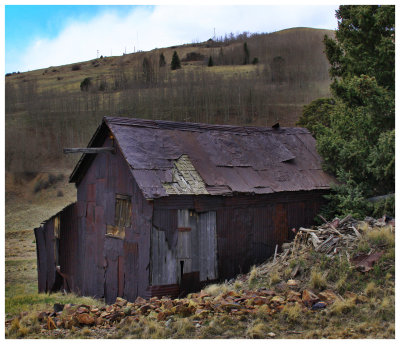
[(332, 237), (339, 237)]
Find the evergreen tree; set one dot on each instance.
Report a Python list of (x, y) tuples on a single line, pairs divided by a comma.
[(246, 54), (210, 62), (86, 84), (147, 70), (355, 131), (161, 61), (175, 62)]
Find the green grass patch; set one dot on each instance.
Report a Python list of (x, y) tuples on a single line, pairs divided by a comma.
[(42, 301)]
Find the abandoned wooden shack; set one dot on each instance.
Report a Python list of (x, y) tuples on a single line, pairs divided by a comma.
[(169, 207)]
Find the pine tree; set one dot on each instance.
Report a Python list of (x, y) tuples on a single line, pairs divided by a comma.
[(175, 62), (355, 130), (147, 70), (161, 61), (210, 61), (246, 54)]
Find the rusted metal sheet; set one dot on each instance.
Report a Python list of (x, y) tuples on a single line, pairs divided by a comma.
[(113, 249), (68, 249), (365, 262), (207, 239), (41, 259), (131, 270), (161, 290), (51, 264), (228, 159)]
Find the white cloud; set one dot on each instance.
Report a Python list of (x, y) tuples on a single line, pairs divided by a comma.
[(145, 28)]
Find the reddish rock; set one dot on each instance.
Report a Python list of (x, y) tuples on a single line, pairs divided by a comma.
[(328, 296), (267, 292), (143, 310), (161, 316), (278, 299), (121, 302), (82, 310), (260, 300), (309, 298), (140, 301), (293, 296), (168, 304), (85, 319), (293, 284)]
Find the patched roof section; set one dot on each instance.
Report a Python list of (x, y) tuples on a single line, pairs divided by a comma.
[(174, 158), (185, 179)]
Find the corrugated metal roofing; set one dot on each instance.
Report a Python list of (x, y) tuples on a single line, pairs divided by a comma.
[(229, 159)]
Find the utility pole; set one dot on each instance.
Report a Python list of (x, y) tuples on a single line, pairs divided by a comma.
[(97, 53)]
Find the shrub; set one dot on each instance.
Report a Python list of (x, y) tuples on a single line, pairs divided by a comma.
[(255, 61), (193, 56), (76, 67), (85, 84)]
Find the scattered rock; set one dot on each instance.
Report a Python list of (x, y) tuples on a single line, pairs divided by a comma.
[(85, 319), (82, 310), (278, 299), (318, 305), (328, 296), (140, 301), (293, 296), (293, 284), (121, 302), (309, 298)]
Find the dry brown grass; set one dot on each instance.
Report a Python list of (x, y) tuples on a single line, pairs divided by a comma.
[(257, 330), (317, 279), (382, 236)]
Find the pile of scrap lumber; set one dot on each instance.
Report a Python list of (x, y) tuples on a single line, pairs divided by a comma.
[(340, 236)]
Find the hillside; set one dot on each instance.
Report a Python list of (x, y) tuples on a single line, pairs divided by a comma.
[(53, 108)]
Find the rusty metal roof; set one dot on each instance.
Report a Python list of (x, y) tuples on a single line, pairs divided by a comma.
[(226, 159)]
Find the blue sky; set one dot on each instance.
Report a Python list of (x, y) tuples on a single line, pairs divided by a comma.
[(39, 36)]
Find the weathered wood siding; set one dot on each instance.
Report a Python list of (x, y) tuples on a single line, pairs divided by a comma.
[(232, 233), (112, 266), (183, 248)]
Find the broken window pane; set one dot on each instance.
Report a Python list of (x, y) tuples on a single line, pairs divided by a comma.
[(123, 214)]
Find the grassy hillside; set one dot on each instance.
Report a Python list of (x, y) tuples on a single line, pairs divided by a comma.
[(48, 109)]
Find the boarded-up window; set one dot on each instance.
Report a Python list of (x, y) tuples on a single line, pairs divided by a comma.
[(122, 211), (123, 214)]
